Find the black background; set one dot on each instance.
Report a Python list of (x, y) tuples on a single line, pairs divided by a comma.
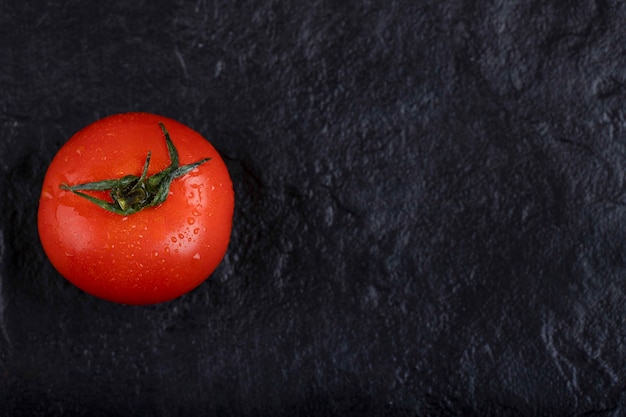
[(429, 208)]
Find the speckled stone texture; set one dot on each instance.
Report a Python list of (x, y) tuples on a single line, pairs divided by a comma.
[(430, 218)]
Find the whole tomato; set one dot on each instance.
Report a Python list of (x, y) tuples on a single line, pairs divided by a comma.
[(136, 209)]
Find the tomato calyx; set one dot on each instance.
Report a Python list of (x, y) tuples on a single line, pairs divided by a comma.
[(131, 193)]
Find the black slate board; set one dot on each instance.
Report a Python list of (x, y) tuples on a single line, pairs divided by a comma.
[(429, 221)]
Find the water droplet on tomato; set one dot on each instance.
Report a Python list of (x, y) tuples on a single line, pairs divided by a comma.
[(174, 239), (191, 220), (196, 256), (180, 235), (47, 195), (196, 230), (156, 254)]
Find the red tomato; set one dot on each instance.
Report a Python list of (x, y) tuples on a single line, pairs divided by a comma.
[(135, 255)]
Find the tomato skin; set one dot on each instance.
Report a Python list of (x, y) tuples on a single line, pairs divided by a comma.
[(151, 256)]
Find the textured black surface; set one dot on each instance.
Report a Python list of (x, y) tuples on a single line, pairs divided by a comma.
[(430, 208)]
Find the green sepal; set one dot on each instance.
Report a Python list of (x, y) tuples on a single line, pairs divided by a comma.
[(131, 193)]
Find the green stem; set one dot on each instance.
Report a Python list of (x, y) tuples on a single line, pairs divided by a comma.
[(131, 193)]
